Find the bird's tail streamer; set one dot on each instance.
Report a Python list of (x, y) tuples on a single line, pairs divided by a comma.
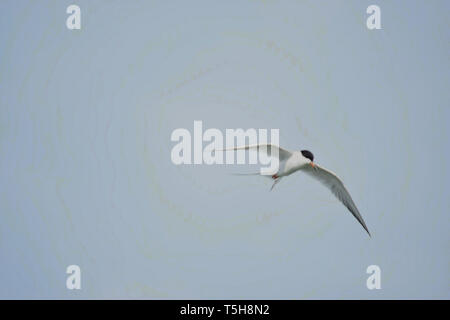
[(246, 174)]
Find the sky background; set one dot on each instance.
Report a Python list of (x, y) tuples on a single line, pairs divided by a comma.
[(86, 176)]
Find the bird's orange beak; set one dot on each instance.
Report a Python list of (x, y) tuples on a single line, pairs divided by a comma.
[(312, 164)]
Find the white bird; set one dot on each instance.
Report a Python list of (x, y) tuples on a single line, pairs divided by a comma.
[(292, 161)]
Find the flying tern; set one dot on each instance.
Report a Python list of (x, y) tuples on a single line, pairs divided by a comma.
[(292, 161)]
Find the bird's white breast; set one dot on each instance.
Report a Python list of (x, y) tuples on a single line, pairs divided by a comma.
[(294, 163)]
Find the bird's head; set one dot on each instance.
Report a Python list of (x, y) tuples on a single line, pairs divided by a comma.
[(308, 154)]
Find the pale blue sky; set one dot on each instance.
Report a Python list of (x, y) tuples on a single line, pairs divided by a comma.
[(86, 176)]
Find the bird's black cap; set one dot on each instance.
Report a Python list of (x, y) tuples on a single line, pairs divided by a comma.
[(308, 154)]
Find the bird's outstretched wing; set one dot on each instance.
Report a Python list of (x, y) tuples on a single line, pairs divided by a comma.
[(283, 154), (336, 186)]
